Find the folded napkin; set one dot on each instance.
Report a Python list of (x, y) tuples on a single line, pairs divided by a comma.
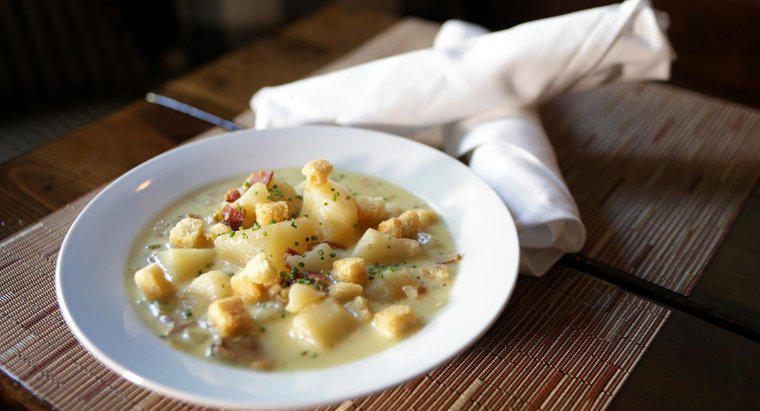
[(482, 88)]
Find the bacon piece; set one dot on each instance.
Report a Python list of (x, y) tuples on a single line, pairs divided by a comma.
[(233, 215), (291, 251), (451, 259), (261, 176), (317, 278), (231, 195)]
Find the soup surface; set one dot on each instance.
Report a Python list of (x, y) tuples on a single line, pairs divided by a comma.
[(285, 272)]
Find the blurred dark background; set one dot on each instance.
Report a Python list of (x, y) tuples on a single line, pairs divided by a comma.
[(66, 62)]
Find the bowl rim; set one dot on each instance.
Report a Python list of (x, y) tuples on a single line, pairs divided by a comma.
[(510, 270)]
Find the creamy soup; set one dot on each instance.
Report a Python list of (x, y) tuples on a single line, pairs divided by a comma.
[(286, 273)]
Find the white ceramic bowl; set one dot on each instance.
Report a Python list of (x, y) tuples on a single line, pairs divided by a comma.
[(90, 278)]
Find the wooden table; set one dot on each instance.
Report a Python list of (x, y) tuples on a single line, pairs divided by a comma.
[(706, 356)]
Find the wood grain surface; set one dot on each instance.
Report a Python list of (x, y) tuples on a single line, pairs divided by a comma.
[(45, 179)]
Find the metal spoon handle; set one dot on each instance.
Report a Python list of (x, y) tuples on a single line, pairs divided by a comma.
[(191, 111)]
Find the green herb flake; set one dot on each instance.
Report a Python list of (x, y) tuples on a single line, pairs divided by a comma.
[(332, 255), (232, 234), (276, 194), (293, 224), (187, 314)]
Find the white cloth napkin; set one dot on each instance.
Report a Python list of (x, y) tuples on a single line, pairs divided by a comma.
[(482, 88)]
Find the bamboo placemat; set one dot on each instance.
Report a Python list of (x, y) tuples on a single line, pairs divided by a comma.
[(659, 173), (565, 340)]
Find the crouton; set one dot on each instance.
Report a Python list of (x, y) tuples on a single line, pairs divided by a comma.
[(438, 272), (229, 317), (218, 229), (244, 287), (317, 171), (395, 321), (370, 210), (425, 216), (212, 285), (189, 233), (260, 271), (152, 283), (392, 226), (270, 213), (359, 308), (350, 270), (345, 291), (404, 226)]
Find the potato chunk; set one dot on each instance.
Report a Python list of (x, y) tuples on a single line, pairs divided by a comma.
[(152, 283), (189, 233), (317, 171), (359, 308), (319, 258), (350, 270), (229, 317), (301, 296), (255, 194), (329, 205), (395, 321), (260, 271), (370, 210), (376, 247), (323, 325), (270, 213), (184, 264), (273, 240), (389, 286), (212, 285), (345, 291)]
